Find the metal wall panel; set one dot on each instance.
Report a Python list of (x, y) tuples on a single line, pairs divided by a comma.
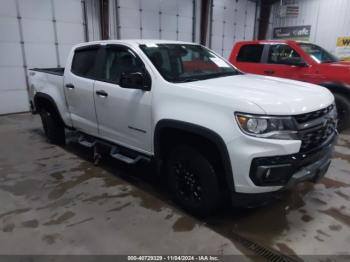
[(8, 8), (34, 33), (12, 74), (231, 21), (328, 20), (93, 20), (155, 19), (13, 101), (40, 55), (69, 11), (9, 29)]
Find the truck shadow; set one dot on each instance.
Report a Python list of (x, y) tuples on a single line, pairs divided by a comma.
[(310, 213), (260, 224)]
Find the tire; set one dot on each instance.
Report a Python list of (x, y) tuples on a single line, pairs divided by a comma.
[(53, 127), (193, 181), (343, 109)]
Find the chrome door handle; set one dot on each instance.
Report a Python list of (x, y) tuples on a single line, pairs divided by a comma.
[(70, 86), (101, 93)]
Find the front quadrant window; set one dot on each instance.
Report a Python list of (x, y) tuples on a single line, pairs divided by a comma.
[(186, 62)]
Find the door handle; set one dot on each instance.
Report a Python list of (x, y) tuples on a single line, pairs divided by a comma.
[(70, 86), (270, 72), (101, 93)]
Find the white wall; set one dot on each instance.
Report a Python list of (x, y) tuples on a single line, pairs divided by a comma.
[(153, 19), (34, 33), (329, 19), (93, 19), (232, 21)]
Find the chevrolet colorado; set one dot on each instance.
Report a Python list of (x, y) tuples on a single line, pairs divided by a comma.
[(301, 61), (212, 131)]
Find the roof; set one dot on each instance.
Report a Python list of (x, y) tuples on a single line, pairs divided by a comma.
[(274, 41), (137, 42)]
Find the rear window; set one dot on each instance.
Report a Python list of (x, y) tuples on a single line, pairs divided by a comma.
[(250, 53), (84, 62)]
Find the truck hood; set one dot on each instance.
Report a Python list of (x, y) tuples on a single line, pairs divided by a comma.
[(275, 96), (341, 68), (337, 73), (340, 63)]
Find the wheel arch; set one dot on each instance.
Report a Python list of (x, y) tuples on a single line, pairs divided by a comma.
[(163, 127), (42, 100)]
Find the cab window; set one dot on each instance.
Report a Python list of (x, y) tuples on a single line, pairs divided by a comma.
[(278, 54), (250, 53), (84, 62), (119, 60)]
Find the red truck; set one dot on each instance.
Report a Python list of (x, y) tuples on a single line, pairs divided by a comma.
[(299, 61)]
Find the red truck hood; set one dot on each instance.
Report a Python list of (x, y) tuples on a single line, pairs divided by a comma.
[(338, 72), (337, 65)]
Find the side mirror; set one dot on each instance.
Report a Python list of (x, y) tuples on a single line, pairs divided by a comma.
[(135, 80), (294, 61)]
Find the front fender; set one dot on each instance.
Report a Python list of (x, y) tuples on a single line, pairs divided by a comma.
[(201, 131)]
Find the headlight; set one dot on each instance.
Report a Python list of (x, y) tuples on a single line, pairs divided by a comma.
[(267, 126)]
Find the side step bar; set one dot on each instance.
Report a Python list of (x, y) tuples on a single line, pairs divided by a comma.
[(87, 142), (116, 152)]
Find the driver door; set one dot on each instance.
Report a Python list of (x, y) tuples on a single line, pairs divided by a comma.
[(123, 115), (275, 65)]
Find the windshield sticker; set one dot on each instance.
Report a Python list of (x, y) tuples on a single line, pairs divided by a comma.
[(219, 62), (151, 45)]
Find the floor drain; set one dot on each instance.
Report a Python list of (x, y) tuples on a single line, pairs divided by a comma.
[(269, 254)]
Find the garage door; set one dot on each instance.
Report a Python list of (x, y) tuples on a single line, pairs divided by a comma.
[(165, 19), (232, 21), (34, 33)]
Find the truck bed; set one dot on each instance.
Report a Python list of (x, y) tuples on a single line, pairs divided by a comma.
[(54, 71), (48, 81)]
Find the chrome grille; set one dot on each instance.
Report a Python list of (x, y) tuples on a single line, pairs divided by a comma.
[(303, 118)]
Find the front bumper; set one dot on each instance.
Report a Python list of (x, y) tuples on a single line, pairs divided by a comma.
[(301, 167), (288, 170), (252, 157)]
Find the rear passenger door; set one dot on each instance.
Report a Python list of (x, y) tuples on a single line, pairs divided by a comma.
[(249, 58), (124, 115), (79, 87)]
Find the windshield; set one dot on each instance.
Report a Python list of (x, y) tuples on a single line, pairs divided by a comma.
[(186, 62), (318, 53)]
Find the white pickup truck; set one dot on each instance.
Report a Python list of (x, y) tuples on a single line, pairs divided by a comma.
[(212, 131)]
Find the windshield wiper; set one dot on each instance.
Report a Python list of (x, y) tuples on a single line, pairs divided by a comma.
[(328, 61), (188, 80), (208, 76)]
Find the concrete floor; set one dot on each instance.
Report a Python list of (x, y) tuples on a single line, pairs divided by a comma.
[(55, 201)]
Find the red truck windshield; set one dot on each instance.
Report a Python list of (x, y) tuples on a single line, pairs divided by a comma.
[(318, 53), (186, 63)]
